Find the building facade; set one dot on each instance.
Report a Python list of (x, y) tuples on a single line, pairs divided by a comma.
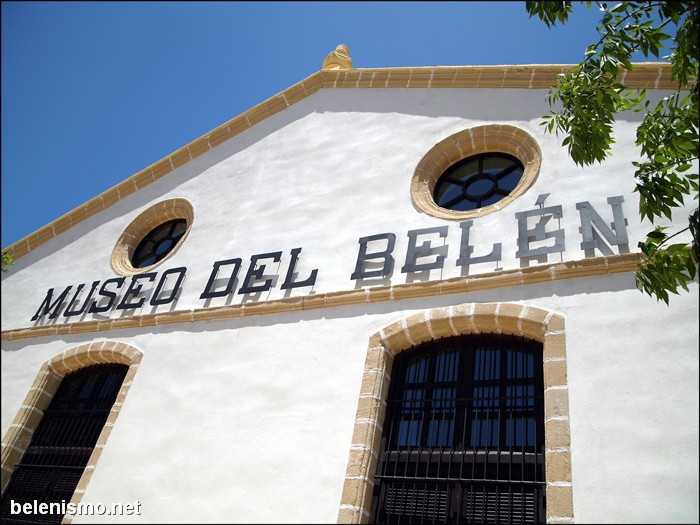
[(382, 295)]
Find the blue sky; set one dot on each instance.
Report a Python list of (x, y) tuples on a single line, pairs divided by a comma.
[(93, 92)]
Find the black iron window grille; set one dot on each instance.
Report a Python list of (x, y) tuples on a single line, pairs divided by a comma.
[(158, 243), (60, 448), (478, 181), (463, 438)]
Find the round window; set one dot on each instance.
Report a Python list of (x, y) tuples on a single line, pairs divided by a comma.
[(153, 237), (478, 181), (475, 172), (159, 243)]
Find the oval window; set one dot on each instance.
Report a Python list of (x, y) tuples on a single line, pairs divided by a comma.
[(153, 237), (475, 172), (478, 181), (158, 243)]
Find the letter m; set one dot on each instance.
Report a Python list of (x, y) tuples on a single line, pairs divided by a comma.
[(47, 306)]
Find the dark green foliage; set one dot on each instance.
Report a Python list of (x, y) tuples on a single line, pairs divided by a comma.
[(591, 94), (7, 260)]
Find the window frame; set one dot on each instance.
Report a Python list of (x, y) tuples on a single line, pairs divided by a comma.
[(492, 138), (142, 226), (475, 200), (45, 386), (65, 439), (520, 319), (168, 231), (465, 476)]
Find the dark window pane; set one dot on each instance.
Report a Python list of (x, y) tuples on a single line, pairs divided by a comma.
[(61, 445), (520, 432), (464, 171), (447, 366), (484, 433), (158, 243), (417, 371), (164, 247), (494, 165), (467, 414), (509, 181), (179, 228), (520, 365), (409, 434), (446, 192), (464, 204), (440, 433), (487, 365), (478, 181)]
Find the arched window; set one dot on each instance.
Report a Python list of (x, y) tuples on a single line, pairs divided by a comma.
[(463, 437), (62, 444)]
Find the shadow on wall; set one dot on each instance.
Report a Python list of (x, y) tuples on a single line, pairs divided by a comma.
[(525, 293)]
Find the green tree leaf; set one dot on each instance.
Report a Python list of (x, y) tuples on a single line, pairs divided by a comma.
[(7, 260), (589, 97)]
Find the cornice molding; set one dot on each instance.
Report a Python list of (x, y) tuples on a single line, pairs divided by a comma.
[(500, 279)]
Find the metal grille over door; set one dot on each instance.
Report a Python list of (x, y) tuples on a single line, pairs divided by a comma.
[(463, 439), (61, 446)]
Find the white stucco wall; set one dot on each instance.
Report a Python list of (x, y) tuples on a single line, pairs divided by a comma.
[(249, 420), (327, 171)]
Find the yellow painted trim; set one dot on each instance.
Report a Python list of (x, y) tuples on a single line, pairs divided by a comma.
[(338, 59), (500, 279), (51, 373), (653, 75), (523, 320)]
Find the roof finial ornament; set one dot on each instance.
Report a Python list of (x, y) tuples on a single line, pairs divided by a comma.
[(338, 59)]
